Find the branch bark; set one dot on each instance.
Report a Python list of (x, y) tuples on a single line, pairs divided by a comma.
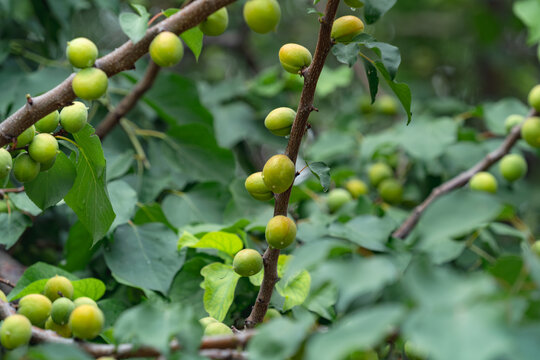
[(311, 76), (123, 58), (458, 181)]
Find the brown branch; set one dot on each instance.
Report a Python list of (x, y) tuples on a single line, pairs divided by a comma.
[(458, 181), (128, 102), (311, 76), (11, 190), (123, 58), (7, 282)]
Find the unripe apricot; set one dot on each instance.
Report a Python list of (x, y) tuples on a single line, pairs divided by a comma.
[(36, 307), (346, 28), (280, 232), (294, 57), (257, 188), (3, 296), (217, 328), (279, 121), (83, 300), (511, 121), (530, 131), (43, 148), (356, 187), (6, 163), (25, 168), (166, 49), (337, 198), (74, 117), (61, 310), (90, 83), (81, 52), (58, 285), (534, 97), (378, 172), (390, 191), (26, 136), (86, 322), (216, 23), (62, 330), (205, 321), (16, 331), (513, 167), (536, 247), (278, 173), (483, 181), (262, 16), (354, 3), (48, 123), (271, 314), (386, 105), (247, 262)]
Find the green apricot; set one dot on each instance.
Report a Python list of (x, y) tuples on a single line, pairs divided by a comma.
[(6, 163), (262, 16), (247, 262), (512, 121), (16, 331), (530, 131), (279, 121), (58, 285), (355, 4), (4, 205), (43, 148), (278, 173), (378, 172), (86, 322), (513, 167), (48, 123), (26, 136), (62, 330), (36, 307), (25, 168), (3, 296), (83, 300), (81, 52), (483, 181), (337, 198), (216, 23), (280, 232), (534, 98), (271, 314), (90, 83), (257, 188), (386, 105), (356, 188), (217, 328), (73, 118), (294, 58), (205, 321), (166, 49), (391, 191), (413, 352), (61, 310), (346, 28), (535, 247), (365, 106)]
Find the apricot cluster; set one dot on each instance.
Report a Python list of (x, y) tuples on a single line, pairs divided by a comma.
[(90, 83)]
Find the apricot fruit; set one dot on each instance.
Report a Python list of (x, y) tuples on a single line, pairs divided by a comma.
[(511, 121), (278, 173), (378, 172), (26, 136), (58, 286), (62, 330), (81, 52), (530, 131), (36, 307), (48, 123), (217, 328), (3, 296), (280, 232), (43, 148), (337, 198), (356, 188), (535, 247), (391, 191), (74, 117), (386, 105), (90, 83), (61, 310), (83, 300), (483, 181), (262, 16), (271, 314), (257, 188), (6, 163), (166, 49), (279, 121), (205, 321), (216, 23), (513, 167), (16, 331), (86, 322), (294, 58), (247, 262), (346, 28), (25, 168), (534, 98)]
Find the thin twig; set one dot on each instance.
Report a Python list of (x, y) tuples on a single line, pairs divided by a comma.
[(10, 190), (311, 76), (7, 282)]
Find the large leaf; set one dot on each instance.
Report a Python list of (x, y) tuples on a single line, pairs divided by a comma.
[(226, 243), (296, 288), (219, 285), (496, 113), (401, 90), (368, 231), (88, 197), (135, 25), (12, 226), (123, 200)]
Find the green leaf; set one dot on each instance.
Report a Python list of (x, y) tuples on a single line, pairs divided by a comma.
[(374, 9), (78, 248), (322, 172), (296, 289), (373, 79), (368, 231), (229, 132), (144, 256), (89, 287), (88, 197), (496, 113), (401, 90), (346, 53), (532, 261), (186, 286), (333, 79), (133, 25), (194, 40), (219, 284), (389, 54), (49, 187), (38, 271), (23, 203), (123, 200), (528, 12), (225, 243), (12, 226)]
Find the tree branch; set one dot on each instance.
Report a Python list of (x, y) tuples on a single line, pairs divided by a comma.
[(458, 181), (311, 76), (123, 58)]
